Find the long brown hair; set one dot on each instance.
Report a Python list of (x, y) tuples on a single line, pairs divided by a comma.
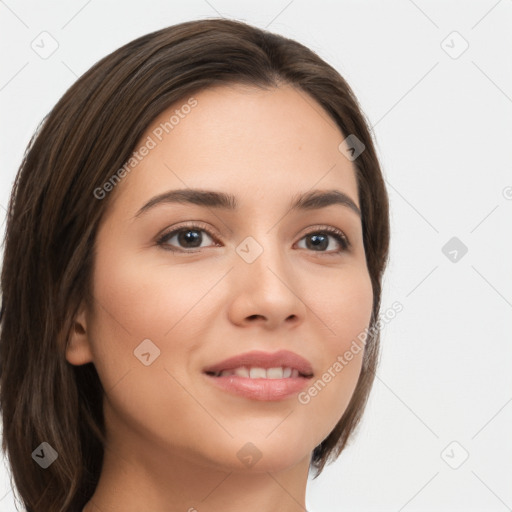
[(53, 217)]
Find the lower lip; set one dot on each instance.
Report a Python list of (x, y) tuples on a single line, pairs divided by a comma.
[(260, 389)]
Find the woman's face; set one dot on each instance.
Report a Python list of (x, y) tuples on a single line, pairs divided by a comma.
[(259, 277)]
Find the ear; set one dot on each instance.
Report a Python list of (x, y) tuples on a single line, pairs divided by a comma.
[(78, 349)]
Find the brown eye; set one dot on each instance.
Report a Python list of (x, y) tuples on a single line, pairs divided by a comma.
[(318, 241), (186, 237)]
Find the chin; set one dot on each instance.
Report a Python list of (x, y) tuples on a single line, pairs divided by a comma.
[(263, 455)]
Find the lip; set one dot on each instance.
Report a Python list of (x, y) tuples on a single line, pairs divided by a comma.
[(261, 389), (266, 360)]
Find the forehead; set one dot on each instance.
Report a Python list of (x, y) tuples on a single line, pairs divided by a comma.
[(254, 143)]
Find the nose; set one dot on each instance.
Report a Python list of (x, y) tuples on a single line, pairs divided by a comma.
[(266, 291)]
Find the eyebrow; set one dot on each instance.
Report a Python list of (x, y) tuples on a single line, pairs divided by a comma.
[(313, 200)]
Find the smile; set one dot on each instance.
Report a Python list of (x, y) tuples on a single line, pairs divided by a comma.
[(261, 373), (261, 376)]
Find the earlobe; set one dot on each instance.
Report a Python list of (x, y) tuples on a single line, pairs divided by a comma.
[(78, 350)]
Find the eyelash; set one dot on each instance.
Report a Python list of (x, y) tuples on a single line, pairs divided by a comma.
[(334, 232)]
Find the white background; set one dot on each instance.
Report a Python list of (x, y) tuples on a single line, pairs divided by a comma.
[(442, 126)]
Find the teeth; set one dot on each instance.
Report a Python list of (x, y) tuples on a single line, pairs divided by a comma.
[(275, 373), (258, 373), (242, 372), (261, 373)]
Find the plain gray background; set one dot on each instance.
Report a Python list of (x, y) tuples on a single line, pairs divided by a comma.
[(435, 81)]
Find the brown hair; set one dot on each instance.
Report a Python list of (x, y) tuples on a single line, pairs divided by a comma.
[(53, 218)]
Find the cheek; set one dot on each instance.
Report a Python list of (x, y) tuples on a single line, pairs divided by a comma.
[(346, 308), (134, 302)]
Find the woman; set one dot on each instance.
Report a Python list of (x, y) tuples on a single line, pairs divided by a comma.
[(192, 278)]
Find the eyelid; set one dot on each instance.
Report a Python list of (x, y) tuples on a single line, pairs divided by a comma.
[(331, 230)]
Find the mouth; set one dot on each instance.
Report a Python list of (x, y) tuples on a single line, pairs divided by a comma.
[(261, 376), (278, 372)]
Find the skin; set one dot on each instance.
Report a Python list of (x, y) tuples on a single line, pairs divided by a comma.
[(173, 438)]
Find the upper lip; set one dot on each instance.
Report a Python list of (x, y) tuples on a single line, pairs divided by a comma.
[(259, 359)]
